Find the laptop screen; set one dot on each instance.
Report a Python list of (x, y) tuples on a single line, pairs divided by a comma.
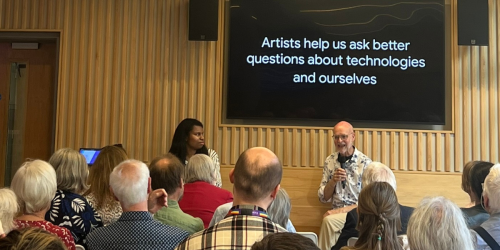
[(90, 154)]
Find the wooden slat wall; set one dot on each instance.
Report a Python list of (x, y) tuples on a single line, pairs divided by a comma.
[(128, 75)]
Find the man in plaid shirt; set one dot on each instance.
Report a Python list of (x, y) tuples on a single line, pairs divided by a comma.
[(256, 177)]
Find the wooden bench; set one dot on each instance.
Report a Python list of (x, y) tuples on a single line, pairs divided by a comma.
[(307, 211)]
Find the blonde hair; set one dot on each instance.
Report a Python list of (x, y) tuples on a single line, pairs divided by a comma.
[(35, 186), (71, 170), (106, 161), (200, 168), (8, 209), (378, 218), (436, 224), (32, 238)]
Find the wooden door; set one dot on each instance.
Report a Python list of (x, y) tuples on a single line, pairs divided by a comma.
[(37, 104)]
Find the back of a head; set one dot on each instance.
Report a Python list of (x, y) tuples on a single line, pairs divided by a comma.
[(436, 224), (379, 217), (31, 238), (200, 168), (466, 173), (8, 209), (492, 189), (106, 161), (129, 181), (378, 172), (35, 186), (257, 173), (477, 177), (284, 241), (71, 170), (279, 210), (166, 172), (179, 144)]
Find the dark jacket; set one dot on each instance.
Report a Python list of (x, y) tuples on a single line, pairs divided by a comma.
[(349, 229), (475, 216)]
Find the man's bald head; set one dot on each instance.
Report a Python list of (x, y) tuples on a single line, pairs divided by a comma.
[(257, 173), (344, 126), (166, 172)]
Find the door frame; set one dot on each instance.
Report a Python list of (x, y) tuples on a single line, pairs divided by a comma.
[(27, 36)]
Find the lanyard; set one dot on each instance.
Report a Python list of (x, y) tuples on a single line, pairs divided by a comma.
[(236, 210)]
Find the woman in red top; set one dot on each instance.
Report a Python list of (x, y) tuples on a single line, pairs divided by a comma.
[(201, 196), (35, 185)]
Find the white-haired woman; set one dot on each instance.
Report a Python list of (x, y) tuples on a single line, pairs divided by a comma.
[(491, 201), (201, 196), (436, 224), (8, 209), (69, 208), (35, 186)]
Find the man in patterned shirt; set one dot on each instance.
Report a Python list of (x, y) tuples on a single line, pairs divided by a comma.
[(341, 183), (256, 177), (136, 228)]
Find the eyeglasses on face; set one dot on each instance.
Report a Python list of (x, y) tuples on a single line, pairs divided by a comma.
[(343, 137)]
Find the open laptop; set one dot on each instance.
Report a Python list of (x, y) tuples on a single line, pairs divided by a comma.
[(90, 154)]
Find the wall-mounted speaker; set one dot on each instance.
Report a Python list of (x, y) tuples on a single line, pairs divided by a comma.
[(203, 20), (473, 28)]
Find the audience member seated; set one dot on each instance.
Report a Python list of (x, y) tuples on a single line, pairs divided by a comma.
[(257, 176), (379, 218), (188, 140), (8, 210), (136, 228), (35, 185), (167, 172), (31, 238), (487, 236), (374, 172), (278, 211), (285, 241), (69, 209), (466, 182), (437, 224), (476, 215), (98, 194), (201, 196)]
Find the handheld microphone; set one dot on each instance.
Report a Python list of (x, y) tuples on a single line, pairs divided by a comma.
[(342, 159)]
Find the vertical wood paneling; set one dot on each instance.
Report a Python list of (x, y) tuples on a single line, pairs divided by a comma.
[(129, 75)]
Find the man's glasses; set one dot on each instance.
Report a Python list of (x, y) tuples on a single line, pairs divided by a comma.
[(343, 137)]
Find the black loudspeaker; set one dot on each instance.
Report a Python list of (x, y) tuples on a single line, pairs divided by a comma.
[(203, 20), (473, 22)]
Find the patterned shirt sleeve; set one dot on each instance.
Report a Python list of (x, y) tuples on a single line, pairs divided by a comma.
[(215, 158), (327, 176)]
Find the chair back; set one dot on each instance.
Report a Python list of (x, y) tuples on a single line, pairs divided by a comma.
[(310, 235)]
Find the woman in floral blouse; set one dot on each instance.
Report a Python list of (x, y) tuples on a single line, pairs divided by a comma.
[(69, 208)]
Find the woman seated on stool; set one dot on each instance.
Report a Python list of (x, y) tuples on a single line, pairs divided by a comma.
[(201, 196), (188, 140), (378, 218), (35, 186)]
